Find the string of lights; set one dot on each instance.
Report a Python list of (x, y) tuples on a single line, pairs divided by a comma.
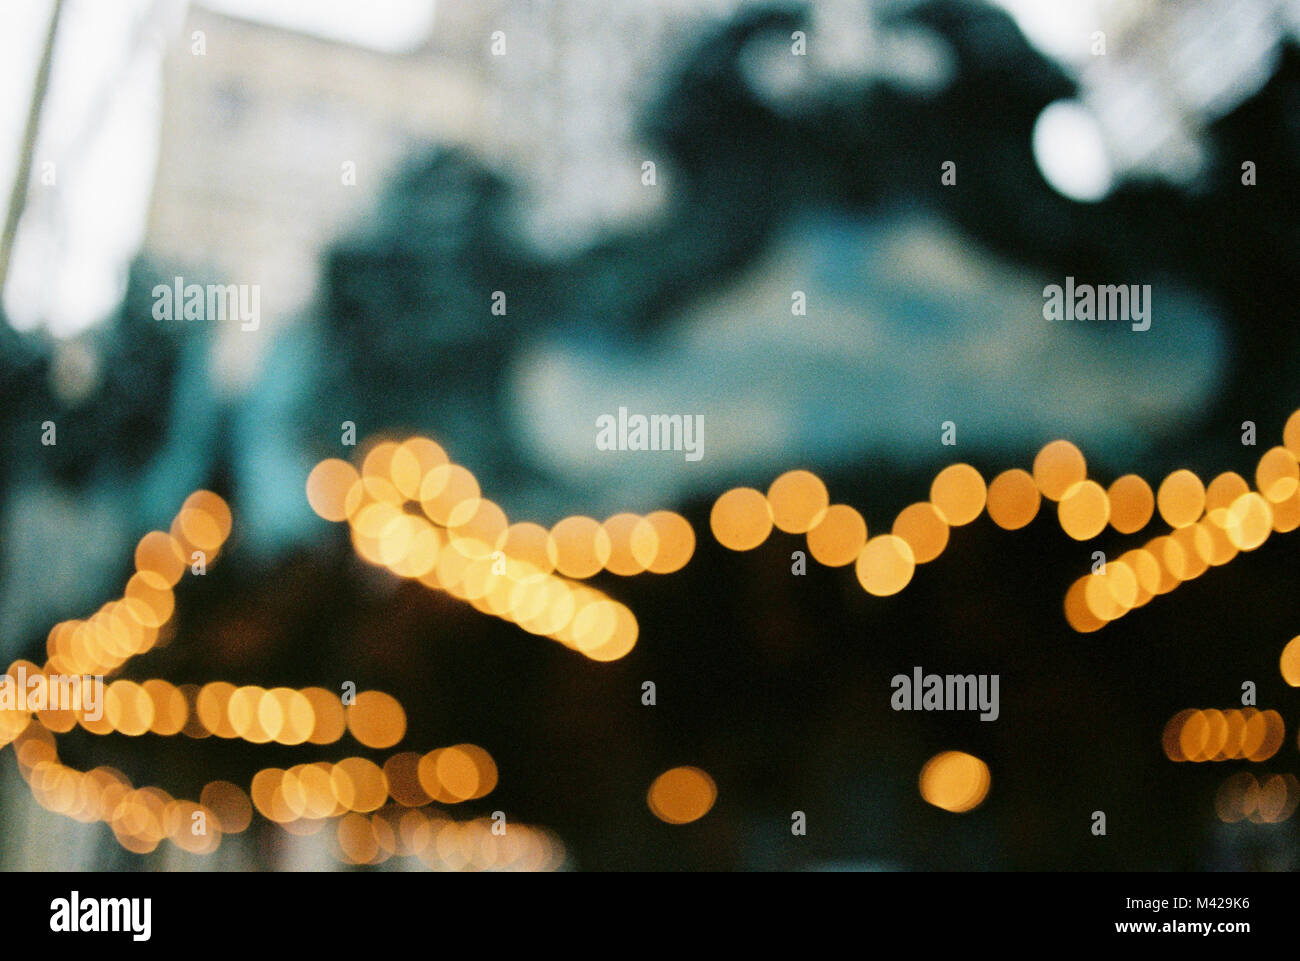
[(412, 511)]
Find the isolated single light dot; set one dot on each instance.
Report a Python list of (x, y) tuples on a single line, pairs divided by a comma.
[(741, 519), (955, 781), (924, 529), (1131, 503), (1181, 498), (839, 538), (1084, 510), (798, 500), (1290, 663), (885, 565), (1278, 474), (1057, 466), (1070, 151), (1013, 499), (959, 493), (681, 795)]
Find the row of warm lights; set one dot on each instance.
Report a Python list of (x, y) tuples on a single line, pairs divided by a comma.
[(1209, 525), (322, 790), (132, 624), (139, 818), (142, 818), (1242, 796), (955, 781), (1236, 519), (1232, 735), (465, 546), (443, 844), (283, 715), (398, 480)]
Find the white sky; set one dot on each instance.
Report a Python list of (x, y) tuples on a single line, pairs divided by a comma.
[(100, 130)]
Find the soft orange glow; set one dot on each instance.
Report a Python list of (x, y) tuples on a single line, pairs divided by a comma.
[(741, 519), (376, 719), (160, 553), (530, 546), (955, 781), (633, 542), (1181, 498), (212, 707), (402, 772), (449, 495), (1278, 474), (356, 839), (1057, 466), (581, 547), (681, 795), (328, 485), (1172, 741), (327, 712), (1077, 612), (480, 530), (229, 805), (1291, 433), (1131, 503), (1274, 736), (1249, 521), (1084, 510), (358, 784), (676, 542), (839, 538), (798, 500), (959, 494), (457, 773), (923, 528), (885, 565), (1013, 499), (1290, 662)]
